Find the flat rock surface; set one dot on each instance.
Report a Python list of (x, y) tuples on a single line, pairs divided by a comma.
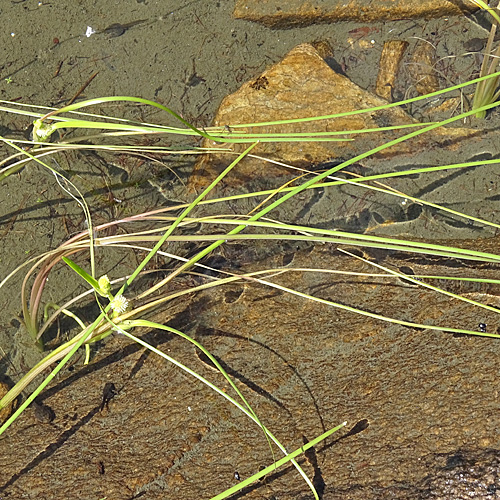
[(300, 13), (430, 399)]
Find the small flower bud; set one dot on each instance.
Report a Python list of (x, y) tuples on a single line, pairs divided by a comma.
[(104, 285)]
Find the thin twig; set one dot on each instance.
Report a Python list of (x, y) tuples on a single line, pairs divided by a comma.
[(82, 88)]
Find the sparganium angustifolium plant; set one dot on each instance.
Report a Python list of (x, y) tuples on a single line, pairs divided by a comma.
[(486, 90)]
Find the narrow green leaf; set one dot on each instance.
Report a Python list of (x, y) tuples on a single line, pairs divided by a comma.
[(277, 464), (84, 274)]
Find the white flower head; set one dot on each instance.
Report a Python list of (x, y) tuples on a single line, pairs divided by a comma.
[(119, 304)]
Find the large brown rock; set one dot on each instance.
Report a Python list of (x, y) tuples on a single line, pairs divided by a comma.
[(303, 85)]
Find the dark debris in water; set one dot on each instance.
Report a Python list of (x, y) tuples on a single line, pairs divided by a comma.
[(464, 475), (461, 475)]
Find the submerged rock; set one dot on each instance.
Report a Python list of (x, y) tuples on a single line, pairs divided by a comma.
[(303, 85), (390, 59), (302, 13)]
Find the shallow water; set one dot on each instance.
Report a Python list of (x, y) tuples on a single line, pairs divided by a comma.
[(305, 367)]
